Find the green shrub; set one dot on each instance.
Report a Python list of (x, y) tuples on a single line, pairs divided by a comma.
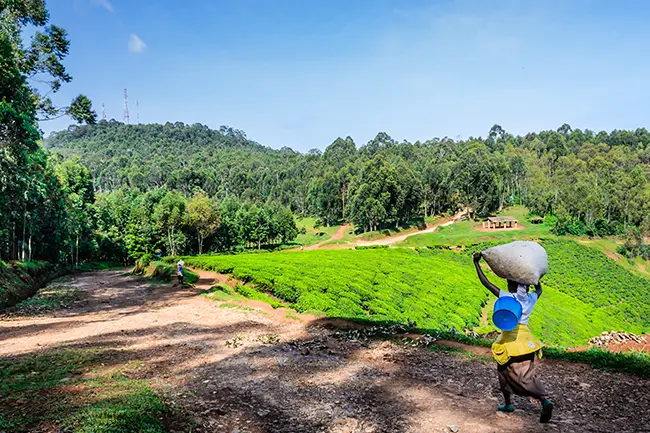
[(223, 288), (251, 293), (585, 292), (162, 271), (20, 280), (371, 247), (436, 289)]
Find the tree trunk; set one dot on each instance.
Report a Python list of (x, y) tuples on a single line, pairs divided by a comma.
[(24, 228), (14, 250), (76, 262), (29, 258), (200, 244), (259, 244), (169, 240)]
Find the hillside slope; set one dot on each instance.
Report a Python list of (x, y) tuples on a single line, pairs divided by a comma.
[(585, 291), (180, 157)]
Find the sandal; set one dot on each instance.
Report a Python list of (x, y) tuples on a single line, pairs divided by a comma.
[(506, 408), (547, 411)]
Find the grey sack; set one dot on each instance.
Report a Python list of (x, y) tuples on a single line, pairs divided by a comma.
[(522, 261)]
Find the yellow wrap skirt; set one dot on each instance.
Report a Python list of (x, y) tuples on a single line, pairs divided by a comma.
[(518, 342)]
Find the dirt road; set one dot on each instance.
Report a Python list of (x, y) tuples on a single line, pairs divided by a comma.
[(396, 239), (338, 234), (248, 370)]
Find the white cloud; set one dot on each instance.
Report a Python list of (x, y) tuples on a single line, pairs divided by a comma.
[(106, 4), (136, 45)]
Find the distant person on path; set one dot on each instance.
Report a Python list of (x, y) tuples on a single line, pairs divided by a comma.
[(516, 351), (179, 271), (300, 247)]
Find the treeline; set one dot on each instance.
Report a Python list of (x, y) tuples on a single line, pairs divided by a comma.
[(586, 183), (52, 208), (41, 203), (130, 223)]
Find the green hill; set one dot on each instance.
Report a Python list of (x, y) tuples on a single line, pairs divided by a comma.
[(585, 291)]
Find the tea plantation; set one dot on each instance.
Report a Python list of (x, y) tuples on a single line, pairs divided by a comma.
[(585, 292), (433, 288)]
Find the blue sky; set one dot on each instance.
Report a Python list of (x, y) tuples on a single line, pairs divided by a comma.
[(300, 73)]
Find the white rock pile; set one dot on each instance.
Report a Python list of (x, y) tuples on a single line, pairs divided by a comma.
[(614, 337)]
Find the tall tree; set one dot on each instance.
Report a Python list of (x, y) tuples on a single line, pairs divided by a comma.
[(202, 217)]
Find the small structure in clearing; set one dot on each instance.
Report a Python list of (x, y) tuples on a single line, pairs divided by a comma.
[(504, 222)]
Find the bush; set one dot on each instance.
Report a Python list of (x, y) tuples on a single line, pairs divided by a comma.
[(371, 247), (436, 289), (142, 263), (162, 271), (223, 288), (251, 293), (20, 280)]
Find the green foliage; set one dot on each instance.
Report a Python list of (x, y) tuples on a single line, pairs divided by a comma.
[(592, 291), (637, 363), (53, 297), (225, 288), (38, 220), (591, 184), (436, 289), (251, 293), (371, 247), (585, 292), (101, 403), (162, 271), (20, 280)]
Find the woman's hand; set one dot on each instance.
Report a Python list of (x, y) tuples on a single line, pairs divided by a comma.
[(477, 257)]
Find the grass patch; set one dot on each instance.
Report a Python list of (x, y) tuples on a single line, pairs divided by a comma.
[(99, 266), (312, 234), (637, 363), (465, 232), (252, 293), (223, 293), (66, 389), (20, 280), (235, 306), (53, 297)]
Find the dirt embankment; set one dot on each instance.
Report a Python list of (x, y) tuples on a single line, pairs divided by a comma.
[(19, 281), (247, 370)]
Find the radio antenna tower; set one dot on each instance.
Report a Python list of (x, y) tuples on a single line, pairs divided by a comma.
[(103, 111), (137, 111), (126, 108)]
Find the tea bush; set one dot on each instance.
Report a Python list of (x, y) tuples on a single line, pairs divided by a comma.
[(436, 289), (585, 292)]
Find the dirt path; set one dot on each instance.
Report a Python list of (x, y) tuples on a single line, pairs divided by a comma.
[(396, 239), (256, 371), (338, 234)]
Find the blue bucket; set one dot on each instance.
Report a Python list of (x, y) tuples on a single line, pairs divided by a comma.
[(507, 312)]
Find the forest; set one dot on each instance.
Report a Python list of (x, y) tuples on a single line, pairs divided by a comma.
[(585, 183), (113, 191)]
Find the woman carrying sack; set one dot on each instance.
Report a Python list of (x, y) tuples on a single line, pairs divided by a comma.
[(517, 351)]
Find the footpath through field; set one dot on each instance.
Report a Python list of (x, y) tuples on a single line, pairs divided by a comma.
[(246, 369), (391, 240), (388, 240), (338, 234)]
